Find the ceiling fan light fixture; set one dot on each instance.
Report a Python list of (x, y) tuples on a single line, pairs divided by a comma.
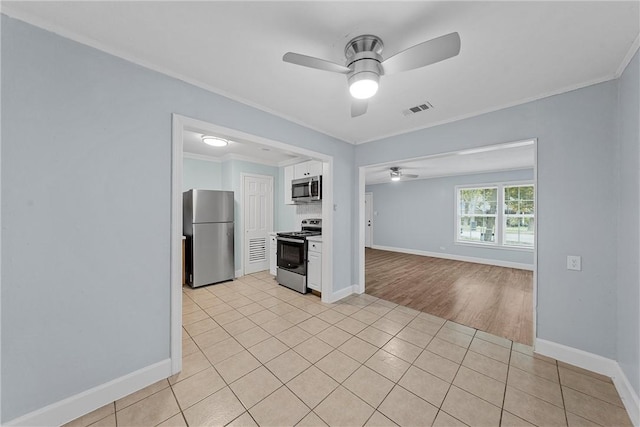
[(395, 174), (214, 141), (363, 85)]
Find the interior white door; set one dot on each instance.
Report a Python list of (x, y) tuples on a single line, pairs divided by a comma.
[(368, 220), (257, 208)]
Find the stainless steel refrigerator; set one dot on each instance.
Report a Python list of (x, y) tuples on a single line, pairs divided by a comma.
[(208, 226)]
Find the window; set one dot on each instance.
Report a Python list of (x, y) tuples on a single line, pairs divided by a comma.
[(518, 216), (481, 221), (477, 214)]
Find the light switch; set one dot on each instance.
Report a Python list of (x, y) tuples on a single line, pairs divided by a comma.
[(574, 262)]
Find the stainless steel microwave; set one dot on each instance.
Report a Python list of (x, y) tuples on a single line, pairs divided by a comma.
[(306, 190)]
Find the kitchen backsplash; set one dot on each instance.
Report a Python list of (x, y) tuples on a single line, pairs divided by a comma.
[(307, 210)]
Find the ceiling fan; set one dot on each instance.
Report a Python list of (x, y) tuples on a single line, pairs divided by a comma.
[(364, 65), (395, 174)]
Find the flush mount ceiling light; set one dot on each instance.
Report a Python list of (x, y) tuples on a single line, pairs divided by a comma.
[(364, 63), (214, 141)]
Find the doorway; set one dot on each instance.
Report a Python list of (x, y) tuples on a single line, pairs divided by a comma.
[(180, 126), (257, 213), (422, 228)]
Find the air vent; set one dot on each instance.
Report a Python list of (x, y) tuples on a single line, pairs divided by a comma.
[(257, 249), (418, 108)]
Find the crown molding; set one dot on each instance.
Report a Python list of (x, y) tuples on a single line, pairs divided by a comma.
[(195, 156), (628, 57)]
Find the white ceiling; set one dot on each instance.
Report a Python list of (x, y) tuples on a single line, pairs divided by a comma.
[(511, 52), (500, 157)]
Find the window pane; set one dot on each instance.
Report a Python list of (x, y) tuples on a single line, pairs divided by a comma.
[(478, 201), (519, 231), (526, 208), (490, 194), (477, 229), (511, 193), (511, 207), (526, 193)]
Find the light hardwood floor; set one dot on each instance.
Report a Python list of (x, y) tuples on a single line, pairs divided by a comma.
[(493, 299)]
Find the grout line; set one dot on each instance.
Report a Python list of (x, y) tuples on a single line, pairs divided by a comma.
[(179, 407), (564, 407), (458, 370), (360, 308), (506, 381)]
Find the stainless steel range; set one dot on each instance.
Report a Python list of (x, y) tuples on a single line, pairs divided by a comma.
[(292, 255)]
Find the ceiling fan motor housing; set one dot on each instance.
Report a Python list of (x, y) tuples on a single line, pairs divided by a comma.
[(363, 58)]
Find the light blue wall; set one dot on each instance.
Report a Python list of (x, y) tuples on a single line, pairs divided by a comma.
[(420, 215), (86, 204), (286, 217), (576, 164), (201, 174), (629, 223)]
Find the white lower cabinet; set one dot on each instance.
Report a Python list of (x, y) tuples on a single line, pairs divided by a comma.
[(314, 266), (273, 256)]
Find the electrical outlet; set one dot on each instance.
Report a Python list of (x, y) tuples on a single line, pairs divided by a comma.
[(574, 262)]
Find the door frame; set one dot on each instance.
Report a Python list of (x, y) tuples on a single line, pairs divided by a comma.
[(370, 194), (181, 123), (243, 176), (361, 218)]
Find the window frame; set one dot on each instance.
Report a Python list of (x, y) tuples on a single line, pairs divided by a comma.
[(501, 217), (506, 216)]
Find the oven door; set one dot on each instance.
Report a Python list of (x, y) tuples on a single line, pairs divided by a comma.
[(292, 255)]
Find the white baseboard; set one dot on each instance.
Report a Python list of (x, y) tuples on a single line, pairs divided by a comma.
[(628, 395), (498, 263), (598, 364), (573, 356), (342, 293), (82, 403), (239, 273)]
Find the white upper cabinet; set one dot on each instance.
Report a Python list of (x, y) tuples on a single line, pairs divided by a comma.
[(308, 168), (301, 170)]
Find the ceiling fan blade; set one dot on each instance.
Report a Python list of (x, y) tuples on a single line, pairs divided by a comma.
[(409, 175), (358, 107), (423, 54), (317, 63)]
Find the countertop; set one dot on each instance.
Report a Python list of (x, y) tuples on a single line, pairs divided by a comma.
[(315, 239)]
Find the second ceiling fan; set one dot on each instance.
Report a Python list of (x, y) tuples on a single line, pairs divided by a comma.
[(364, 64), (396, 174)]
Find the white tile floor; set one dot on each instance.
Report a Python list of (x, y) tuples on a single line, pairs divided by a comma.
[(255, 353)]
